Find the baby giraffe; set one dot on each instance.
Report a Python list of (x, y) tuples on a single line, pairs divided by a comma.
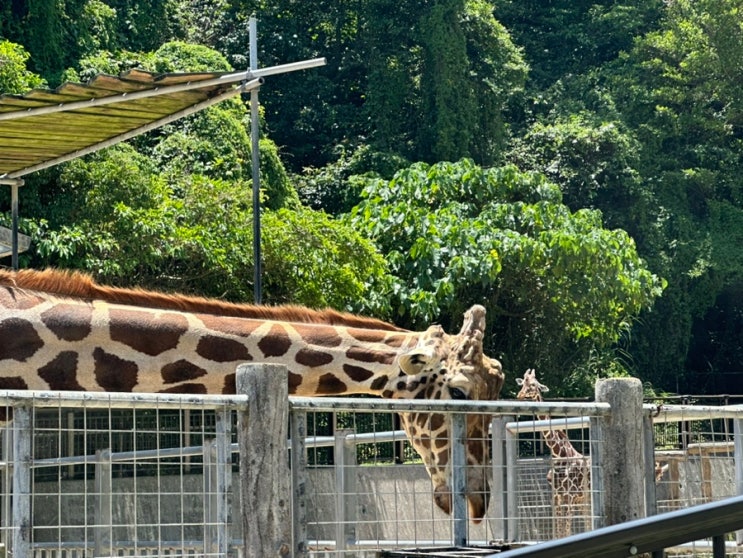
[(569, 475)]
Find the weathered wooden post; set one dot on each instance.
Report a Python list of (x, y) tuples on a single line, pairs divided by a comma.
[(623, 455), (265, 497)]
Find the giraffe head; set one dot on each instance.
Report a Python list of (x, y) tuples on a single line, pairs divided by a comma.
[(531, 389), (445, 366)]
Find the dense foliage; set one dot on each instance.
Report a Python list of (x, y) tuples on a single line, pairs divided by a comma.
[(574, 165)]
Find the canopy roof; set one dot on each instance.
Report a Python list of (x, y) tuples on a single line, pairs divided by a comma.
[(46, 127)]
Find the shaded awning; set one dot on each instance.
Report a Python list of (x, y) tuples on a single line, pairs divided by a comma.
[(46, 127)]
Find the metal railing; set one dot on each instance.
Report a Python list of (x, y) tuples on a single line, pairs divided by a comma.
[(221, 535)]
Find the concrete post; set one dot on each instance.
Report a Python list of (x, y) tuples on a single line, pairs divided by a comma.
[(265, 502), (623, 457)]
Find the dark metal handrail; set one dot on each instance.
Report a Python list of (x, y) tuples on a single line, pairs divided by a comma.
[(648, 535)]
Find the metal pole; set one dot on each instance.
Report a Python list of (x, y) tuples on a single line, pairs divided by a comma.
[(738, 461), (21, 503), (459, 477), (255, 163), (14, 233)]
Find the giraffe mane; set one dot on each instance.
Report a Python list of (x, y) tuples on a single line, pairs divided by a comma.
[(75, 284)]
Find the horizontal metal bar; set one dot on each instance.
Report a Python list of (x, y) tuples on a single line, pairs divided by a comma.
[(255, 75), (164, 453), (92, 399), (548, 424), (5, 180), (120, 400), (642, 535), (332, 404), (675, 413), (285, 68)]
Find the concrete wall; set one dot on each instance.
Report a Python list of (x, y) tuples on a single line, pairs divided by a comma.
[(393, 503)]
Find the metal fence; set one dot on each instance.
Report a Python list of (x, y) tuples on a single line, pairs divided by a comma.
[(145, 475)]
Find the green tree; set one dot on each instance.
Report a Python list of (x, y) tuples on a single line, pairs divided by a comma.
[(559, 288), (126, 224), (678, 93), (14, 76)]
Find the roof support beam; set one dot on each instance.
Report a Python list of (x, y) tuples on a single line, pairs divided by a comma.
[(250, 76)]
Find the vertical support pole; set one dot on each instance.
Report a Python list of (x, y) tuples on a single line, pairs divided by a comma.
[(718, 546), (597, 474), (345, 490), (738, 461), (103, 521), (265, 503), (211, 536), (459, 477), (224, 479), (5, 483), (255, 164), (298, 426), (651, 501), (624, 454), (21, 504), (512, 454), (218, 480), (70, 442), (498, 463), (14, 232)]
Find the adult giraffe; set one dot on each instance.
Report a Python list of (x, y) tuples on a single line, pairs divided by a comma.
[(62, 331)]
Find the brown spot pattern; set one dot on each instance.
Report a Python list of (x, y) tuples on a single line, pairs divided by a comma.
[(379, 383), (10, 298), (330, 385), (396, 341), (61, 372), (69, 322), (322, 336), (186, 388), (230, 384), (219, 349), (367, 335), (13, 382), (147, 332), (313, 358), (180, 371), (295, 380), (231, 326), (363, 354), (19, 339), (437, 421), (113, 373), (357, 373), (276, 343)]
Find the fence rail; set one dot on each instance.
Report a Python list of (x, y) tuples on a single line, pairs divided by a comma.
[(164, 489)]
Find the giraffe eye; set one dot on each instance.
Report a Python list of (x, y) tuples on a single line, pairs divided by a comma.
[(457, 393)]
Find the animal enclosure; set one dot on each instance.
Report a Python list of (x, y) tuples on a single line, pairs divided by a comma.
[(135, 475)]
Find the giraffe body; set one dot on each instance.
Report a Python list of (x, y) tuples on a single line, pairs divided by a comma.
[(62, 331)]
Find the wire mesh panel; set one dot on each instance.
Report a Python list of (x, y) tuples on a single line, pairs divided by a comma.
[(697, 452), (554, 493), (117, 479), (369, 489)]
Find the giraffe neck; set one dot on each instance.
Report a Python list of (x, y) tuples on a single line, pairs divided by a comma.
[(65, 336), (557, 440)]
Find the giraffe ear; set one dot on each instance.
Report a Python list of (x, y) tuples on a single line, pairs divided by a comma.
[(543, 388), (519, 381), (412, 362)]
